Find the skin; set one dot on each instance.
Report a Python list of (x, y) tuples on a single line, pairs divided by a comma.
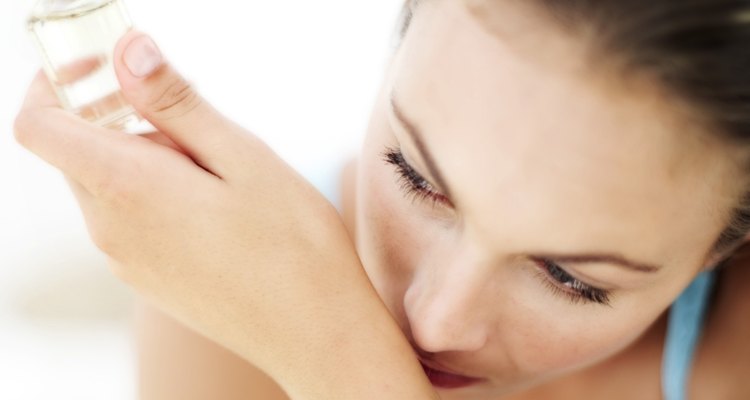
[(194, 227), (624, 174), (616, 177)]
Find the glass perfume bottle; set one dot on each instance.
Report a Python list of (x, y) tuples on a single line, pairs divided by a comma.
[(77, 39)]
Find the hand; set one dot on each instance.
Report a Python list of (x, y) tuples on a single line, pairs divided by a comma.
[(184, 213), (137, 191), (205, 220)]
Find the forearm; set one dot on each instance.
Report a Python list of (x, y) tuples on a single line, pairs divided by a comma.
[(175, 362), (355, 344), (221, 233), (323, 333), (354, 351)]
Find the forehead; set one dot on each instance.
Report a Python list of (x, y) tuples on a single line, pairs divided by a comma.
[(534, 140)]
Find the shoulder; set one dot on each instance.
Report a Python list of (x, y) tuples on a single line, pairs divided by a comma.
[(723, 360)]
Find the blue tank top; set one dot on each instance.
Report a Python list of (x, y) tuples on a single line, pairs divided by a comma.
[(684, 328)]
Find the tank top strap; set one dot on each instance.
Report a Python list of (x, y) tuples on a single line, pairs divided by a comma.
[(684, 328)]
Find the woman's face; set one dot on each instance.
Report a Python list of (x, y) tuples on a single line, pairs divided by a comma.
[(521, 215)]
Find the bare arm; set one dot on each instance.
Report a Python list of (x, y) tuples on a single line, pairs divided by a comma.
[(225, 236), (175, 362)]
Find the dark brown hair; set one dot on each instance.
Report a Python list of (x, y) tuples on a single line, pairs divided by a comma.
[(698, 49)]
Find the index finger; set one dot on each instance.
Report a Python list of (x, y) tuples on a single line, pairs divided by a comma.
[(42, 94), (90, 154)]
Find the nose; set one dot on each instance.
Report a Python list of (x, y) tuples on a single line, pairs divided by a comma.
[(445, 312)]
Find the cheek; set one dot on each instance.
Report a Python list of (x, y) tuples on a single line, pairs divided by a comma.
[(552, 337), (541, 334), (533, 334), (388, 239), (385, 242)]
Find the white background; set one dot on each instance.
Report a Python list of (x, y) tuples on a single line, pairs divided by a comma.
[(301, 74)]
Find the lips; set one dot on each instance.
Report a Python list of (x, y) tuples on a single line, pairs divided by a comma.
[(443, 379)]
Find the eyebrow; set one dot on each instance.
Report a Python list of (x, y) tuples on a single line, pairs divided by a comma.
[(418, 139), (602, 258)]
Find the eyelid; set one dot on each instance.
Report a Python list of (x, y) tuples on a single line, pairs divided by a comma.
[(576, 272), (396, 122), (433, 187), (412, 182), (588, 293)]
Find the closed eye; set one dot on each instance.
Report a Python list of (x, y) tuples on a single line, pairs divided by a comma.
[(411, 182), (561, 282)]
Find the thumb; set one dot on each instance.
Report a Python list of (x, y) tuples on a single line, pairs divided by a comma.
[(170, 103)]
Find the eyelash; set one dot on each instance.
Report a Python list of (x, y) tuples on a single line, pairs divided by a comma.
[(411, 182), (557, 279), (562, 283)]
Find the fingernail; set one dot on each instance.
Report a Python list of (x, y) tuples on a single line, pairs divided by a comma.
[(142, 57)]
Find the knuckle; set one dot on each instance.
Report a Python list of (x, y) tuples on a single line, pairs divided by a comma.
[(23, 126), (100, 237), (102, 241), (108, 244), (178, 98), (120, 271)]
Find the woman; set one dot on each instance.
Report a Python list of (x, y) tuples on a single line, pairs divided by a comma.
[(540, 182)]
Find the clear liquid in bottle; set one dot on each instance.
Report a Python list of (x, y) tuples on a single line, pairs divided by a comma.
[(77, 40)]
